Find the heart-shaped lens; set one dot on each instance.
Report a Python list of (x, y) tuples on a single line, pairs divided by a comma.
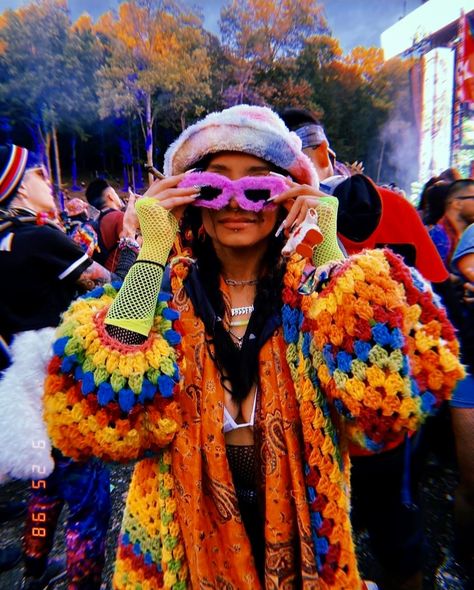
[(209, 193), (257, 194)]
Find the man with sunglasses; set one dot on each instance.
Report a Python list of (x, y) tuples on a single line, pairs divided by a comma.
[(42, 270), (458, 214)]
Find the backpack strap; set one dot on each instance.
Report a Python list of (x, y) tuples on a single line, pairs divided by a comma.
[(102, 252)]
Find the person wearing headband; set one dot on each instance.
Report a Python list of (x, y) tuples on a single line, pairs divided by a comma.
[(236, 376)]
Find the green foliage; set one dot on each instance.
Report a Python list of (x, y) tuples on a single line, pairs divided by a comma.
[(48, 68)]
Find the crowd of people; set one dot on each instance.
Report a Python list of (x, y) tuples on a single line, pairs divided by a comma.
[(266, 332)]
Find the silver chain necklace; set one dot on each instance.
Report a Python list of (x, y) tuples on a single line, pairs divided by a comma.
[(241, 310), (239, 340), (240, 283)]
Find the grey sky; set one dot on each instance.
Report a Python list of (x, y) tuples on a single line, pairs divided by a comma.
[(353, 22)]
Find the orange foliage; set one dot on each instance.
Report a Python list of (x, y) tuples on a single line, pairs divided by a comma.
[(367, 61), (83, 23)]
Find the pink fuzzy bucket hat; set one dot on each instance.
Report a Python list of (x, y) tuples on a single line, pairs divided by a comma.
[(249, 129)]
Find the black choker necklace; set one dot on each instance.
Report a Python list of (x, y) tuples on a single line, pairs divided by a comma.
[(238, 283)]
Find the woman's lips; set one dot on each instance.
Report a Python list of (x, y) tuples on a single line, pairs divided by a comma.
[(236, 222)]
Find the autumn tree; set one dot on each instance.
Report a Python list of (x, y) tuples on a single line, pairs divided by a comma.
[(220, 73), (86, 55), (257, 34), (48, 71), (355, 94), (157, 63)]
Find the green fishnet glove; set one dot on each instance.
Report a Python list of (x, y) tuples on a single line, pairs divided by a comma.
[(134, 306), (328, 250)]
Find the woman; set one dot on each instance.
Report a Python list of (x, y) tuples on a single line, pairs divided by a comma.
[(245, 404)]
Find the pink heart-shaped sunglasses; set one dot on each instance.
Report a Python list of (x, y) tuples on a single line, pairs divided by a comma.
[(252, 193)]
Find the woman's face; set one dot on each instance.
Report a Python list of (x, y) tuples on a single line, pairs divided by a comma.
[(232, 226)]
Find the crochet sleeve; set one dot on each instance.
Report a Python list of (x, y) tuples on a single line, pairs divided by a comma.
[(375, 345), (104, 398)]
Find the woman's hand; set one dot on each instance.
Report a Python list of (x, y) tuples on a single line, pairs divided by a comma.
[(131, 225), (159, 211), (170, 197), (297, 200)]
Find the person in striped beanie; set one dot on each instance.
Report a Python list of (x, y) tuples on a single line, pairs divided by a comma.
[(42, 270)]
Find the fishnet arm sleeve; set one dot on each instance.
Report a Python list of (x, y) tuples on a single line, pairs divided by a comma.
[(328, 250), (125, 336), (126, 258), (134, 307)]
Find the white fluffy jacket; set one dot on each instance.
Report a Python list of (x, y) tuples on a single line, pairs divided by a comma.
[(25, 449)]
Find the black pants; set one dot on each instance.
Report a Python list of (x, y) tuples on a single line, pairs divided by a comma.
[(387, 505)]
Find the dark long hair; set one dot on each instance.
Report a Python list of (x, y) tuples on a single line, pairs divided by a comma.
[(239, 365)]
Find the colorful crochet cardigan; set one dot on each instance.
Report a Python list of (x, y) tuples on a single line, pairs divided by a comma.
[(364, 354)]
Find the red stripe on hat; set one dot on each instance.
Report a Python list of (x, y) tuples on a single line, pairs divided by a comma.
[(13, 172)]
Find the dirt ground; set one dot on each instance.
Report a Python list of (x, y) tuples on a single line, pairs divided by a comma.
[(438, 486)]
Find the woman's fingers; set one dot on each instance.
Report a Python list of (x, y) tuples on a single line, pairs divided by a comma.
[(295, 191), (174, 197), (172, 201), (297, 200), (158, 186), (170, 197), (299, 209)]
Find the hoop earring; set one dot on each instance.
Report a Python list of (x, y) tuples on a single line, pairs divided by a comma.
[(201, 234)]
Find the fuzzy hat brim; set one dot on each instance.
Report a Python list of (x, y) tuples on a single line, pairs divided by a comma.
[(253, 130)]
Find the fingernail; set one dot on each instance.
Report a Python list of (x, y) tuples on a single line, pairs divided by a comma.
[(190, 170), (276, 174), (280, 229)]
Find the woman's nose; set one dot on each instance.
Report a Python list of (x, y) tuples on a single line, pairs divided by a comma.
[(233, 203)]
